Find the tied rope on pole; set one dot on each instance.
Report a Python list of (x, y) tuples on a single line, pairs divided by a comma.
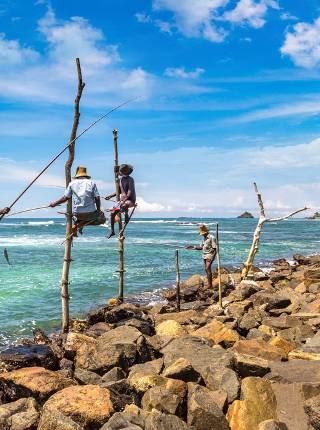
[(64, 149)]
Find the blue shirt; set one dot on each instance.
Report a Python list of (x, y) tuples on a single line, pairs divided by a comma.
[(83, 191)]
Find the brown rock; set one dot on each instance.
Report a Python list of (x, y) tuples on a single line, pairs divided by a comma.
[(283, 344), (86, 405), (164, 399), (299, 371), (170, 328), (182, 369), (32, 382), (238, 309), (22, 414), (218, 333), (251, 319), (184, 317), (272, 425), (30, 355), (57, 421), (259, 348), (158, 421), (222, 378), (98, 329), (258, 405), (312, 275), (303, 355), (247, 365), (203, 412), (312, 408), (85, 377), (115, 374)]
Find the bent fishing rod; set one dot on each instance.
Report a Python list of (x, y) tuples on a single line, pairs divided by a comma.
[(65, 148)]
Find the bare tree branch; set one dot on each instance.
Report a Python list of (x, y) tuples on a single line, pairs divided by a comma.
[(260, 202), (287, 216)]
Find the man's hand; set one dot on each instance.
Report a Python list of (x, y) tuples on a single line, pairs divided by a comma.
[(189, 247), (52, 205), (4, 211)]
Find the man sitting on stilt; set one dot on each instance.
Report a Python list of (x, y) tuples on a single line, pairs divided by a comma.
[(86, 201), (127, 198)]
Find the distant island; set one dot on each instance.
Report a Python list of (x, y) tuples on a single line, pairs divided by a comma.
[(246, 215), (316, 215)]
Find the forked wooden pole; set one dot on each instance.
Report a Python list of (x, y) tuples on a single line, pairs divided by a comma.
[(219, 265), (178, 280), (120, 236), (68, 243)]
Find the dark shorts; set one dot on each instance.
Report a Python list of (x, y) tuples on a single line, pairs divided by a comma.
[(91, 218)]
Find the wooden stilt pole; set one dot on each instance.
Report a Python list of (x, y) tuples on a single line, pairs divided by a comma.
[(178, 280), (68, 243), (219, 266), (121, 236)]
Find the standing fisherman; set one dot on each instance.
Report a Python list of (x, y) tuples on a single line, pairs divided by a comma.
[(208, 247), (4, 211), (127, 198), (86, 200)]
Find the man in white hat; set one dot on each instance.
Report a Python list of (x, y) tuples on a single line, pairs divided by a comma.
[(208, 247), (4, 211), (86, 200), (127, 198)]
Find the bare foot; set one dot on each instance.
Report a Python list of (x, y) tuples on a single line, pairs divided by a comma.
[(112, 233)]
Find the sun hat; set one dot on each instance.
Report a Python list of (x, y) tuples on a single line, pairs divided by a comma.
[(125, 169), (81, 172), (203, 229)]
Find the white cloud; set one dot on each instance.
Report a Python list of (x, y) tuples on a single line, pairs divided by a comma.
[(143, 17), (147, 207), (12, 53), (250, 12), (195, 19), (182, 73), (287, 16), (302, 44)]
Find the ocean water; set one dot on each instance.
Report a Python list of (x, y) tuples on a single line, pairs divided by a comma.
[(29, 287)]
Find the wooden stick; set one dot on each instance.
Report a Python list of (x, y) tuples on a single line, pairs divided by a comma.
[(178, 280), (125, 225), (120, 236), (69, 221), (219, 265), (28, 210)]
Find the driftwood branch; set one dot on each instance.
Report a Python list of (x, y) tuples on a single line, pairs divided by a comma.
[(257, 233), (69, 222)]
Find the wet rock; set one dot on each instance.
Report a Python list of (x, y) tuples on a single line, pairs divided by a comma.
[(170, 328), (87, 405), (197, 351), (221, 378), (258, 404), (259, 348), (182, 369), (301, 259), (115, 374), (272, 425), (22, 414), (203, 412), (247, 365), (32, 382), (30, 355), (85, 377), (98, 329)]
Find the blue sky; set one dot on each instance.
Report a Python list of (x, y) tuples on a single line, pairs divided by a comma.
[(229, 94)]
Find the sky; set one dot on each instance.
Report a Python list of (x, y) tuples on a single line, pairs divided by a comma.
[(228, 95)]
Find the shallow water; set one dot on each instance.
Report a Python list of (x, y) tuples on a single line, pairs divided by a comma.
[(29, 288)]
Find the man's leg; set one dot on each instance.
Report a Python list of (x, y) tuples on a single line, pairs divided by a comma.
[(208, 264), (112, 217)]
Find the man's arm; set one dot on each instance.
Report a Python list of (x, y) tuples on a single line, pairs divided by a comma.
[(98, 203), (59, 202), (4, 211), (197, 248)]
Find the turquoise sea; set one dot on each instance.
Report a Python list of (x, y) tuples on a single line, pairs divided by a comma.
[(29, 287)]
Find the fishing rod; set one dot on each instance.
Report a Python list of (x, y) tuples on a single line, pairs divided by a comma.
[(28, 210), (64, 149)]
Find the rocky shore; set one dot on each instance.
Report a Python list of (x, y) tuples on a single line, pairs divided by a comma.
[(253, 365)]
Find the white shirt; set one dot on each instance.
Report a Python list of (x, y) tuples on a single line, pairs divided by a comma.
[(209, 246), (84, 191)]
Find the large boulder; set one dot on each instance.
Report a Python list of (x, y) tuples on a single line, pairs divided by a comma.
[(248, 365), (272, 425), (32, 382), (182, 369), (29, 355), (120, 347), (197, 351), (218, 333), (170, 328), (88, 406), (22, 414), (257, 405), (203, 412), (115, 314), (300, 371), (168, 399), (218, 377), (259, 348)]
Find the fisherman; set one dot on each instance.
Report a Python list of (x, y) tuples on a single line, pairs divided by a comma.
[(86, 200), (4, 211), (127, 197), (208, 247)]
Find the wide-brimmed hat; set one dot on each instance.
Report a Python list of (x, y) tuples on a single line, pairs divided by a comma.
[(81, 172), (203, 229), (125, 169)]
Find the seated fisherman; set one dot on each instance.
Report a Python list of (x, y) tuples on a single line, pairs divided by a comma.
[(127, 197), (86, 200), (4, 211)]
